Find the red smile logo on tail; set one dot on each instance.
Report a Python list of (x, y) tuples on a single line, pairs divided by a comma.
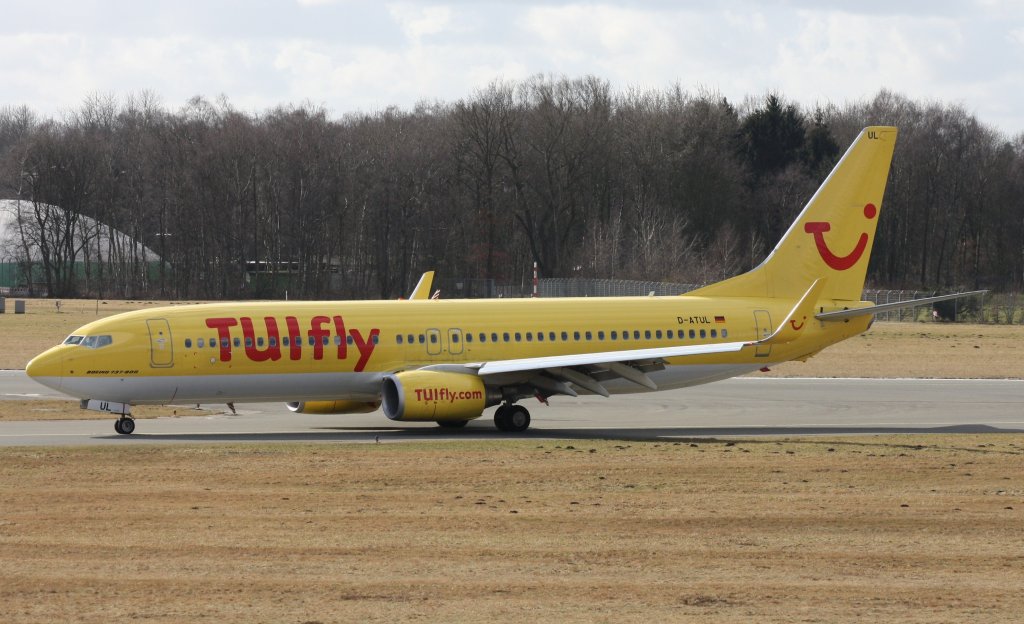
[(839, 263)]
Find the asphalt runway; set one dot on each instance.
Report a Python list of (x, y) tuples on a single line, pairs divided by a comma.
[(746, 406)]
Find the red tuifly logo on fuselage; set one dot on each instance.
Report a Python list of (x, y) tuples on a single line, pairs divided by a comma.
[(318, 337)]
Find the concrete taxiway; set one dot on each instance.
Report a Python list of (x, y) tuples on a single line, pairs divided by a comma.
[(747, 406)]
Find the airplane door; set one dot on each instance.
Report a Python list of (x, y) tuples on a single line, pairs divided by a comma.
[(434, 342), (161, 347), (763, 322), (455, 341)]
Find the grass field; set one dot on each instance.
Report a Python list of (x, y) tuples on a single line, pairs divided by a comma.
[(878, 529), (831, 529)]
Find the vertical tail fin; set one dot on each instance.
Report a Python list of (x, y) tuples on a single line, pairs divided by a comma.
[(833, 235)]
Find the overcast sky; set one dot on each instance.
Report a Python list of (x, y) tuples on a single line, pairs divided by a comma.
[(350, 55)]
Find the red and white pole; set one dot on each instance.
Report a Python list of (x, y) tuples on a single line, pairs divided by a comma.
[(535, 280)]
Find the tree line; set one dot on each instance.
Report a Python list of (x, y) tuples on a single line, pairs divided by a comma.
[(584, 180)]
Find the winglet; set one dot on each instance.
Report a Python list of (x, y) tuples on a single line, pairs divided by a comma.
[(797, 318), (422, 290)]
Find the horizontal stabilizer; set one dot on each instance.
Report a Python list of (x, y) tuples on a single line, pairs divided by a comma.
[(839, 315)]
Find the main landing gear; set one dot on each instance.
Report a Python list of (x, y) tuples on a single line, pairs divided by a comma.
[(124, 425), (512, 418)]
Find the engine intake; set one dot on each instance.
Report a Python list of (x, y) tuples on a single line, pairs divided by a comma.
[(435, 396)]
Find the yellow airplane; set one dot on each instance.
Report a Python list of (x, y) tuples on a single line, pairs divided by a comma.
[(447, 361)]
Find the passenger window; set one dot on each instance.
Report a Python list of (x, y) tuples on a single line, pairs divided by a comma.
[(505, 336), (703, 334), (494, 337), (455, 337), (600, 335), (259, 341), (714, 333), (327, 340), (375, 339), (224, 343), (647, 334), (411, 339), (337, 341), (670, 334), (273, 341), (399, 338), (615, 335), (469, 337), (200, 343), (248, 341), (540, 336), (565, 336), (529, 336), (693, 334), (519, 337), (188, 343), (575, 335), (551, 336), (433, 338), (725, 333), (422, 339), (238, 342), (284, 341), (588, 335), (483, 337), (636, 334), (657, 334), (625, 334)]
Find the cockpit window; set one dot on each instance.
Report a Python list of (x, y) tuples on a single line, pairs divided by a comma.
[(73, 340), (95, 342)]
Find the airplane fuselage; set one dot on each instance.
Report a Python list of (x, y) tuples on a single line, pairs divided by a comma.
[(289, 351)]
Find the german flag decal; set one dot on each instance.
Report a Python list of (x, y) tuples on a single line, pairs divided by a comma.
[(719, 319)]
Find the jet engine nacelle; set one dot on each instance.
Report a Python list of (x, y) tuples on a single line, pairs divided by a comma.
[(333, 407), (436, 396)]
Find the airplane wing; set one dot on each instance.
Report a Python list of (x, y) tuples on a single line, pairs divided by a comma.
[(587, 370), (553, 374), (839, 315)]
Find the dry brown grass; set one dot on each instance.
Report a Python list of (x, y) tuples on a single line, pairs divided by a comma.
[(938, 350), (873, 528)]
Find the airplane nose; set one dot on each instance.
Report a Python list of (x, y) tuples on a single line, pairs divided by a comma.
[(47, 368)]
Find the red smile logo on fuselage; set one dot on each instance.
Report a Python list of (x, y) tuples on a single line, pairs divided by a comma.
[(839, 263)]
